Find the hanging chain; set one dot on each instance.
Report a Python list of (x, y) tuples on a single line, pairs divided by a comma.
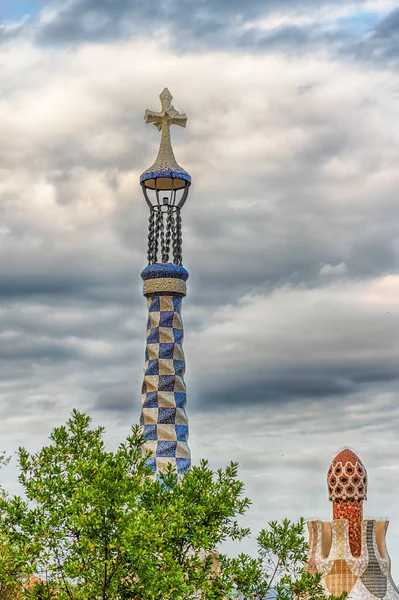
[(177, 240), (161, 232), (151, 254), (180, 240), (169, 223), (158, 233), (174, 241)]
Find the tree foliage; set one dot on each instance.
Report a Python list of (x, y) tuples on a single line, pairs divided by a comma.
[(10, 586), (279, 571), (94, 524)]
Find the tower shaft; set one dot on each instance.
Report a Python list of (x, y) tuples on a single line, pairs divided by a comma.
[(163, 415)]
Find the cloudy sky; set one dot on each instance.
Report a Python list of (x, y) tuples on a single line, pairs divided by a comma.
[(291, 230)]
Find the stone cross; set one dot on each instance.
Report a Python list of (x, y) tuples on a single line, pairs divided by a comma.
[(167, 116)]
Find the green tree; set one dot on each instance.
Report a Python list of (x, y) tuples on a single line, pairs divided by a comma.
[(279, 571), (94, 524), (10, 583)]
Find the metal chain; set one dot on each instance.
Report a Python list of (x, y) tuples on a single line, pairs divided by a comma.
[(169, 224), (180, 239), (151, 241), (161, 228), (174, 241), (177, 240), (158, 231)]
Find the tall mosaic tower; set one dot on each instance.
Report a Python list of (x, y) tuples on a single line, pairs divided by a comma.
[(163, 416), (350, 551)]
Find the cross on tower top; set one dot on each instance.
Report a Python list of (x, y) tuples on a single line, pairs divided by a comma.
[(168, 115)]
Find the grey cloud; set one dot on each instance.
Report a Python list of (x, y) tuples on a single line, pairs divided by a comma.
[(266, 383), (389, 27), (290, 38), (10, 32), (192, 24), (115, 397), (379, 46), (57, 284), (30, 349), (268, 252), (100, 20)]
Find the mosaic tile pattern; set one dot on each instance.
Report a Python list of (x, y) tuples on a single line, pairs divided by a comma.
[(163, 416), (345, 551), (162, 271), (373, 577), (340, 577), (347, 477), (313, 547), (347, 487), (352, 510), (366, 577), (358, 564)]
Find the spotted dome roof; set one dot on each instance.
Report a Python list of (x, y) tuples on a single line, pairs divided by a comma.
[(347, 477)]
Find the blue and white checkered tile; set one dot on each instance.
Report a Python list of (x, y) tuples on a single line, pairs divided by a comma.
[(163, 416)]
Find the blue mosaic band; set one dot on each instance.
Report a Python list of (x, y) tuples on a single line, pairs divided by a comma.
[(165, 173), (163, 416), (164, 271)]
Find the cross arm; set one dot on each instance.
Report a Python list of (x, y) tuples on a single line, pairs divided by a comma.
[(179, 120), (154, 117)]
